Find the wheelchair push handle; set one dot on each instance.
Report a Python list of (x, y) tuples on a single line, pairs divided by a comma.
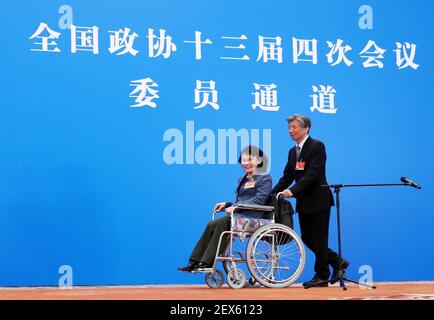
[(279, 195)]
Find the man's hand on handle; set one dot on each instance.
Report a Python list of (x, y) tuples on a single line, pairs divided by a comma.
[(287, 193)]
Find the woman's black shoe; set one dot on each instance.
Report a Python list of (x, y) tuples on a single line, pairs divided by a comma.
[(189, 268), (202, 265)]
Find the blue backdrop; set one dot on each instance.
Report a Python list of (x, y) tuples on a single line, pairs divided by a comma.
[(107, 175)]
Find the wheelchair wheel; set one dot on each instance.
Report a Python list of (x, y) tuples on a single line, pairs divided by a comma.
[(238, 255), (214, 279), (275, 256), (236, 278)]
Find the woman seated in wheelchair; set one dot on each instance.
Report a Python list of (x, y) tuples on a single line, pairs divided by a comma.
[(253, 188)]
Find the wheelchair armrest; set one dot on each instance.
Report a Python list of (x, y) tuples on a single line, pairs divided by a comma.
[(254, 207)]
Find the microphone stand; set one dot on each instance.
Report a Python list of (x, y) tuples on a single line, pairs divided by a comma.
[(337, 188)]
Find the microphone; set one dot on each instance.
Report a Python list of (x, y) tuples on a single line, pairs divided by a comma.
[(410, 183)]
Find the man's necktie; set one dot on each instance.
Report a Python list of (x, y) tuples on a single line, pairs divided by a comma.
[(297, 152)]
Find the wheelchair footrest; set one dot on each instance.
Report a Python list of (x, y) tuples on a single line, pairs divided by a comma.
[(204, 270)]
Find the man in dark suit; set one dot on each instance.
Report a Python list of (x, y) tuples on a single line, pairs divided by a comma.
[(306, 165)]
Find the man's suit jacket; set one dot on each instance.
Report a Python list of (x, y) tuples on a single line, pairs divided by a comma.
[(311, 197)]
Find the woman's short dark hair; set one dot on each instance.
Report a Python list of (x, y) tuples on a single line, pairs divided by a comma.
[(253, 151)]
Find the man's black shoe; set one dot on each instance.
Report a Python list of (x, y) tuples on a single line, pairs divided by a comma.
[(315, 282), (192, 265), (335, 274)]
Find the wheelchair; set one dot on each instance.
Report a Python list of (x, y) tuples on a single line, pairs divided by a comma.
[(271, 254)]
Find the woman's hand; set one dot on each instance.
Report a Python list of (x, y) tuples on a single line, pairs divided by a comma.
[(229, 210), (219, 206)]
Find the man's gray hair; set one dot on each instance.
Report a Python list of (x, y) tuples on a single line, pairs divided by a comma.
[(301, 119)]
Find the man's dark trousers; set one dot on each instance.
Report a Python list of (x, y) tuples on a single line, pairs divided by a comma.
[(314, 228)]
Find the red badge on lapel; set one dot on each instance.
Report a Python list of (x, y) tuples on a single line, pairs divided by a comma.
[(249, 184), (299, 165)]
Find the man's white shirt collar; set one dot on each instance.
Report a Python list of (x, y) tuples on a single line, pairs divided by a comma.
[(301, 144)]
